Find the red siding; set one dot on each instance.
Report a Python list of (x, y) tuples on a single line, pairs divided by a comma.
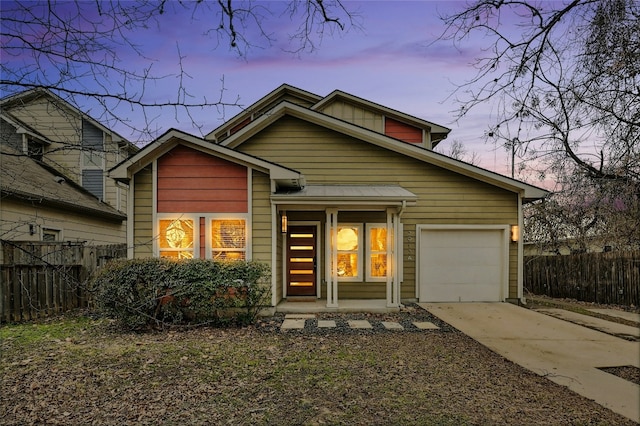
[(203, 239), (402, 131), (190, 181)]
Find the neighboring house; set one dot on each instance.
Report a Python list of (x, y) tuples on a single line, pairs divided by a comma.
[(344, 198), (54, 161)]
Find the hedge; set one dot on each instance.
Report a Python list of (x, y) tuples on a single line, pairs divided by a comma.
[(143, 293)]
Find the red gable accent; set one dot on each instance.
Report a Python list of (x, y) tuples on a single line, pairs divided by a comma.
[(402, 131), (190, 181)]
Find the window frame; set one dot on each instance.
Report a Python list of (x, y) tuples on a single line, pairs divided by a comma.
[(358, 252), (209, 234), (369, 252), (48, 230), (195, 249)]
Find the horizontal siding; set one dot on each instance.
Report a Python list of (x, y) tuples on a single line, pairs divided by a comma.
[(143, 213), (191, 181), (16, 218), (444, 197), (402, 131), (261, 217)]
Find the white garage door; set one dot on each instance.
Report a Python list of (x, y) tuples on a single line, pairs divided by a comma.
[(462, 265)]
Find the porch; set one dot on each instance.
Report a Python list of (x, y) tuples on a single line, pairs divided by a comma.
[(378, 306)]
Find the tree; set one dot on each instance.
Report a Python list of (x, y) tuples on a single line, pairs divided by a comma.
[(564, 81), (75, 49)]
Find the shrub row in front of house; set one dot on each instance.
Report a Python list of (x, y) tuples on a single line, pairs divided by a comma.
[(143, 293)]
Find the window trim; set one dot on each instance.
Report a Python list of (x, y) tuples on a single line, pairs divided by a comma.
[(369, 252), (173, 217), (209, 218), (56, 231), (358, 252)]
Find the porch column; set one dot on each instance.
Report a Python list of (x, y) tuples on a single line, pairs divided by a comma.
[(393, 234), (331, 256)]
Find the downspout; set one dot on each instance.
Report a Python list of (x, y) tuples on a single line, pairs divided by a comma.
[(397, 252)]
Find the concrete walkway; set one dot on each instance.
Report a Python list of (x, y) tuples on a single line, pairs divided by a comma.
[(619, 330), (566, 353)]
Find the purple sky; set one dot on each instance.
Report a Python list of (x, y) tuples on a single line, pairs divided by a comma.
[(389, 61)]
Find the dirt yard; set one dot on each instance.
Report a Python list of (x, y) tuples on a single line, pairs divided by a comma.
[(81, 371)]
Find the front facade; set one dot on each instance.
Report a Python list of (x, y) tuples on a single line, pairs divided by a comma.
[(66, 195), (345, 199)]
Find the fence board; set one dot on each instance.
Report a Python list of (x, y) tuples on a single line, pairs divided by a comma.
[(606, 278), (40, 279)]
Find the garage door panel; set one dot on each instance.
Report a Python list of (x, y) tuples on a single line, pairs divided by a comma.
[(462, 265)]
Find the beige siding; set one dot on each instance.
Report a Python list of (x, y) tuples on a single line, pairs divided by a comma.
[(444, 197), (143, 213), (355, 114), (261, 217), (61, 127), (15, 218)]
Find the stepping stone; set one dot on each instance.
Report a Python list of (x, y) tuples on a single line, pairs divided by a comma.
[(299, 316), (359, 324), (326, 324), (426, 325), (292, 324), (392, 325)]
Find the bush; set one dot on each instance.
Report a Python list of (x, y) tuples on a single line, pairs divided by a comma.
[(155, 292)]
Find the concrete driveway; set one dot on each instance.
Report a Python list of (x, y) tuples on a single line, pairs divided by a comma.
[(566, 353)]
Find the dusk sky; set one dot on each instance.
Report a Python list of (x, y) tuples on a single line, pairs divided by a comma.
[(390, 60)]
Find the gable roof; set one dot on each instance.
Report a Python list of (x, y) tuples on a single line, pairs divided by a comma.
[(23, 128), (31, 181), (528, 192), (263, 104), (33, 94), (284, 176), (438, 133)]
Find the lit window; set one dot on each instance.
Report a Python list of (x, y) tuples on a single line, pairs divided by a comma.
[(176, 238), (228, 239), (349, 249), (377, 252)]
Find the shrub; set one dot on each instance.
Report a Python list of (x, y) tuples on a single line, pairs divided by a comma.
[(155, 292)]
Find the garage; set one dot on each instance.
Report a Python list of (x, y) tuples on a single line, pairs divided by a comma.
[(462, 264)]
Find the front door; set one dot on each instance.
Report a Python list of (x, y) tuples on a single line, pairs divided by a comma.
[(301, 260)]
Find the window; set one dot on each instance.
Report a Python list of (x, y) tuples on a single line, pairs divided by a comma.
[(92, 159), (35, 149), (50, 235), (229, 239), (376, 252), (176, 238), (349, 247)]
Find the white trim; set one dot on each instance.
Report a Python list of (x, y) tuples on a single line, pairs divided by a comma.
[(154, 207), (504, 288), (369, 252), (248, 232), (130, 219), (520, 244), (331, 263), (275, 230)]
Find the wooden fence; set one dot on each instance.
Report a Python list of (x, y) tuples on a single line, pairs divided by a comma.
[(39, 279), (607, 278)]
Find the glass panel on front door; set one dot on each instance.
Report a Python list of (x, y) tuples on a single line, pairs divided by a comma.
[(301, 261)]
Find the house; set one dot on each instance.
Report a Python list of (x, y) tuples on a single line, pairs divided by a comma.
[(54, 161), (344, 198)]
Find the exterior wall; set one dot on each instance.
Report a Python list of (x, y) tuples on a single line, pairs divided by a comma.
[(444, 197), (261, 217), (143, 213), (15, 218), (64, 128), (355, 114), (402, 131), (60, 126), (190, 181)]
